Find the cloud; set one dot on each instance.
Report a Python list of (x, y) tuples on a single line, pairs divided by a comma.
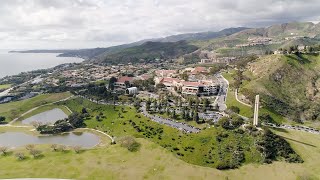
[(90, 23)]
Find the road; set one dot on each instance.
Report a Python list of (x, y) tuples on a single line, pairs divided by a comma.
[(291, 127), (222, 94), (6, 92)]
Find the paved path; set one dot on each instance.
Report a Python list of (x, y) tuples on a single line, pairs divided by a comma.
[(112, 139), (236, 94)]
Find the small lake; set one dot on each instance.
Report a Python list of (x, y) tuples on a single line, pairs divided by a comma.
[(19, 139), (47, 117)]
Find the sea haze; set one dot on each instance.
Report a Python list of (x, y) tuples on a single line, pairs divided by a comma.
[(15, 63)]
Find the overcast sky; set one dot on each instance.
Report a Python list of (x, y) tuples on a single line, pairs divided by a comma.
[(57, 24)]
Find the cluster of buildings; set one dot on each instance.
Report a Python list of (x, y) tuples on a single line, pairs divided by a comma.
[(170, 79), (77, 77), (224, 60), (256, 41)]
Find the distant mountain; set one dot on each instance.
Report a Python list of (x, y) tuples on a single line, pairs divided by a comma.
[(44, 51), (147, 52), (279, 31), (198, 36), (101, 53)]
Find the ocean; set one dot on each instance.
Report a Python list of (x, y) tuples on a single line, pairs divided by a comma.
[(15, 63)]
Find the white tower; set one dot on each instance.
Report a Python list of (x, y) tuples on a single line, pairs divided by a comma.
[(256, 111)]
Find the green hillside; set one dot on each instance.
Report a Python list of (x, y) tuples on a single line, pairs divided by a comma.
[(150, 51), (288, 84)]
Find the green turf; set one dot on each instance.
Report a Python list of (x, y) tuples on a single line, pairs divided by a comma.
[(5, 86), (154, 162), (204, 153)]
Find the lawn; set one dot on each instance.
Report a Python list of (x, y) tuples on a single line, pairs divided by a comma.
[(5, 86), (154, 162), (15, 109), (200, 149)]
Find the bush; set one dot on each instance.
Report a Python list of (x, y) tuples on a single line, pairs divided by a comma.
[(35, 153), (234, 109), (4, 150), (20, 156), (130, 143)]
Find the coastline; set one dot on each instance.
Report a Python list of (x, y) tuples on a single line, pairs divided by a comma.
[(27, 62)]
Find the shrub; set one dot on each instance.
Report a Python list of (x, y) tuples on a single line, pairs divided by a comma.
[(77, 149), (35, 153), (4, 150), (130, 143), (20, 156), (29, 147), (54, 147)]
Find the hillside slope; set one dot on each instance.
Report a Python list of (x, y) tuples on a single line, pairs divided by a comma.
[(288, 84), (148, 52)]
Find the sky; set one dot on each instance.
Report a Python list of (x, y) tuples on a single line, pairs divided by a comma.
[(73, 24)]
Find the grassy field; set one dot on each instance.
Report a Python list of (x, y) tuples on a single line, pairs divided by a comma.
[(200, 149), (5, 86), (154, 162), (15, 109)]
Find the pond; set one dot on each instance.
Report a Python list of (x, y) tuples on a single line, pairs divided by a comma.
[(19, 139), (47, 117)]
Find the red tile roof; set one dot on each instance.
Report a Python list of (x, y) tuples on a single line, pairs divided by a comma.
[(124, 79), (199, 70)]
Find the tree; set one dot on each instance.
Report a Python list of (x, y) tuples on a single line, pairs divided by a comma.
[(196, 116), (111, 82), (2, 119), (174, 116), (237, 121), (29, 147), (187, 114), (54, 147), (130, 143), (160, 86), (183, 113), (35, 153), (4, 150), (62, 148), (76, 120), (77, 149), (148, 104), (184, 76), (137, 104), (224, 122), (234, 109), (20, 156), (206, 104), (84, 110)]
